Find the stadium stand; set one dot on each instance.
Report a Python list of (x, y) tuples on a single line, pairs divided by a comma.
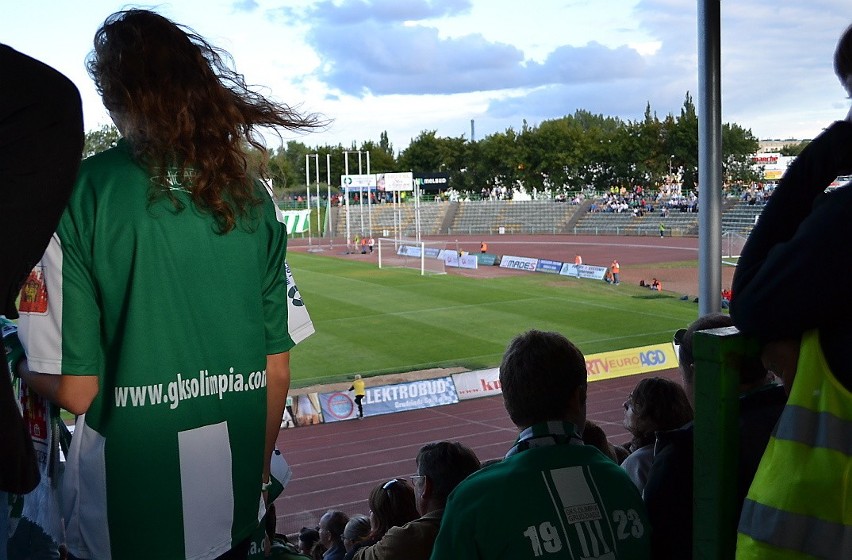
[(532, 217), (741, 217)]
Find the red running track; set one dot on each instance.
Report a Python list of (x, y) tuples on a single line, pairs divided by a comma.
[(335, 466)]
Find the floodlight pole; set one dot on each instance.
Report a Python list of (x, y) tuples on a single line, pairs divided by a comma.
[(709, 158)]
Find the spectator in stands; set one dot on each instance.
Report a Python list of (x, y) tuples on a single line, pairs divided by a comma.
[(307, 539), (441, 467), (669, 489), (181, 179), (392, 504), (40, 121), (656, 404), (331, 527), (802, 229), (595, 436), (355, 532), (551, 491)]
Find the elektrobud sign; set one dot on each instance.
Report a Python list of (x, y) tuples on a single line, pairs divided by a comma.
[(384, 399)]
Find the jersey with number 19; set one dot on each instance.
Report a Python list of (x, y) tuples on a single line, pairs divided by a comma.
[(176, 321), (560, 501)]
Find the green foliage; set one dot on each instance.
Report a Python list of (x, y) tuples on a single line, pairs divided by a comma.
[(794, 149), (569, 153), (372, 321), (97, 141)]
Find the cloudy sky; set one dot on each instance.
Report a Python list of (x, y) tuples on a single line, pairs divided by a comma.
[(411, 65)]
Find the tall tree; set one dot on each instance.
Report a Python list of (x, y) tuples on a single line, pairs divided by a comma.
[(100, 139)]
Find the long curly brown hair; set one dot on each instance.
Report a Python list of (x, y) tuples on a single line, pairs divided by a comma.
[(183, 109)]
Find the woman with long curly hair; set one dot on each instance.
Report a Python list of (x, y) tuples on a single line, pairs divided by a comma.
[(656, 404), (167, 309)]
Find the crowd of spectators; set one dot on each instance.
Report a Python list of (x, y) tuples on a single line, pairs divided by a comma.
[(640, 201)]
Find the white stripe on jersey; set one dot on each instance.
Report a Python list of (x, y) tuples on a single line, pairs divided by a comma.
[(41, 333), (87, 525), (207, 492)]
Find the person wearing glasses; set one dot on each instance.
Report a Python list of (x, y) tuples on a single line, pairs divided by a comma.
[(392, 504), (441, 466), (356, 531), (669, 488), (552, 496), (656, 404)]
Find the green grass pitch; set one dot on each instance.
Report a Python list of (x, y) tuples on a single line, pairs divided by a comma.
[(372, 321)]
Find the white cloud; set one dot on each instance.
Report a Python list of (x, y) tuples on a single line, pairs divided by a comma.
[(408, 66)]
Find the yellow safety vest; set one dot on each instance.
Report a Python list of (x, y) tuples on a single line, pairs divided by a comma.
[(800, 502)]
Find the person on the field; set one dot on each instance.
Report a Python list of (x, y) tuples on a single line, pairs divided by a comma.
[(165, 324), (552, 496), (615, 269), (360, 392)]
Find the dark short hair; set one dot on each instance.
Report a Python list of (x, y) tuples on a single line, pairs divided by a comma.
[(309, 536), (707, 322), (336, 522), (446, 464), (539, 373), (843, 55), (659, 404), (750, 369), (594, 435)]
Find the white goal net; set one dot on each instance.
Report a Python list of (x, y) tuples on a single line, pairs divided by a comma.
[(425, 256), (732, 244)]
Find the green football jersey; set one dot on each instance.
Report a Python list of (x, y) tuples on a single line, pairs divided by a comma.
[(559, 500), (176, 320)]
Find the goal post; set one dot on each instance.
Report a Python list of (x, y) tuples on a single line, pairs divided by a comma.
[(732, 244), (427, 257)]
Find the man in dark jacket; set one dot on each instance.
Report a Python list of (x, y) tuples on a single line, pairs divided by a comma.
[(669, 490)]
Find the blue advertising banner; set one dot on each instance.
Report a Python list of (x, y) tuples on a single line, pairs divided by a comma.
[(385, 399), (544, 265)]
